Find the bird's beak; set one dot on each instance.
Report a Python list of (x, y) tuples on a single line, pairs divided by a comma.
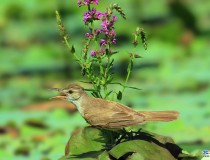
[(62, 96), (59, 97)]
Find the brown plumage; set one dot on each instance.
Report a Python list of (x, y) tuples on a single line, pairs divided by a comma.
[(109, 114)]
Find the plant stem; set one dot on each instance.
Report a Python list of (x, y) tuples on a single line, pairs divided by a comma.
[(129, 70), (69, 47), (106, 71)]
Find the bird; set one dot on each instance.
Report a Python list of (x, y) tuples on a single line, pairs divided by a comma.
[(107, 114)]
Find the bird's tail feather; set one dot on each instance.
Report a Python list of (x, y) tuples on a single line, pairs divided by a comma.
[(161, 116)]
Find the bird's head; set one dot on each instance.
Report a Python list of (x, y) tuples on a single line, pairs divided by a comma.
[(71, 93)]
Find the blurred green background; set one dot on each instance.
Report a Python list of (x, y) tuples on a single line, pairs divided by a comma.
[(174, 73)]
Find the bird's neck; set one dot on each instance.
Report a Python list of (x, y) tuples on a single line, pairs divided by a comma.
[(82, 102)]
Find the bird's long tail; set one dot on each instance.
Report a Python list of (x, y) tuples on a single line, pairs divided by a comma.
[(161, 116)]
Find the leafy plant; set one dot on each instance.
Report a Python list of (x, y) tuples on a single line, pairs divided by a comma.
[(96, 58)]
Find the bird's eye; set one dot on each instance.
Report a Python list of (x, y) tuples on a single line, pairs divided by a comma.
[(70, 91)]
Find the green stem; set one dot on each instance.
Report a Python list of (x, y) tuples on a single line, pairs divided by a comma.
[(69, 47), (106, 72), (128, 74), (89, 7)]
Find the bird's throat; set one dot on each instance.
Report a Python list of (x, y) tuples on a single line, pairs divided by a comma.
[(78, 103)]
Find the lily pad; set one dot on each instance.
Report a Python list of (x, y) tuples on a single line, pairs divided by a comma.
[(86, 143), (146, 150), (90, 143)]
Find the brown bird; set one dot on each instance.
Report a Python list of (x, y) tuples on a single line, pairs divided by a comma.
[(107, 114)]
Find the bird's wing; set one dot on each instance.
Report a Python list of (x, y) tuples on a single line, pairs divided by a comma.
[(124, 116), (115, 115)]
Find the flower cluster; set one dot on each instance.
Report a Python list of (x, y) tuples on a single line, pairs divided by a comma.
[(92, 15), (107, 26), (87, 2), (97, 53), (108, 29)]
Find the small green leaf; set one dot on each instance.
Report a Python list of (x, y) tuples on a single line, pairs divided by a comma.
[(111, 64), (86, 82), (133, 88), (131, 65), (189, 156), (119, 95), (72, 49), (101, 69), (109, 79), (137, 56), (112, 53), (95, 94), (108, 94)]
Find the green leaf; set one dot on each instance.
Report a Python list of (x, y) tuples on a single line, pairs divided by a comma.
[(125, 86), (112, 62), (148, 150), (95, 94), (86, 143), (86, 82), (112, 53), (133, 88), (131, 67), (190, 156), (119, 95), (135, 156), (108, 94), (72, 49), (109, 78), (90, 143), (104, 156), (137, 56), (101, 69)]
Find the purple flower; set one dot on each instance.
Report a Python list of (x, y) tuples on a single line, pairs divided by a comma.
[(79, 2), (89, 35), (105, 27), (98, 15), (108, 25), (112, 33), (106, 22), (102, 51), (103, 42), (105, 14), (92, 15), (92, 53), (114, 18), (114, 41), (97, 31), (87, 2), (95, 2)]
